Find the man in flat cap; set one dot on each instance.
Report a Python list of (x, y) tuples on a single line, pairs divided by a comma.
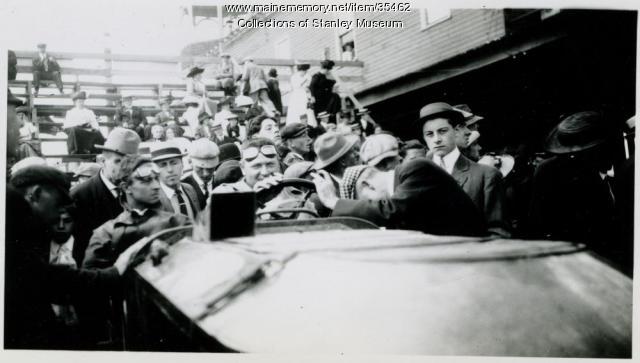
[(441, 126), (295, 137), (131, 116), (203, 154), (45, 67)]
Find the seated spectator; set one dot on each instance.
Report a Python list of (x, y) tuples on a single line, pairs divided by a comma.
[(227, 75), (157, 133), (79, 115), (233, 128), (416, 195), (190, 116), (295, 136), (165, 115), (202, 130), (381, 152), (218, 136), (273, 90), (224, 111), (130, 115), (28, 130), (45, 68), (82, 140), (412, 149)]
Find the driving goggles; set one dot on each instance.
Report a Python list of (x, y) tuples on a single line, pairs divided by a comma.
[(251, 153), (146, 172)]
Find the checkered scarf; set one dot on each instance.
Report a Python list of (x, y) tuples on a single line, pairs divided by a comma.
[(348, 184)]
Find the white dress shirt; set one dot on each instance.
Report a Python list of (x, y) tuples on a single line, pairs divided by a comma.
[(449, 160), (171, 195), (62, 254), (80, 116)]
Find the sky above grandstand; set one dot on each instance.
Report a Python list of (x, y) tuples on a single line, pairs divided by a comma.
[(127, 27)]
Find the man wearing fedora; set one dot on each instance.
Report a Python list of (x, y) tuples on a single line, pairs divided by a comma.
[(204, 155), (130, 115), (45, 67), (97, 198), (335, 153), (441, 126), (572, 196), (175, 196)]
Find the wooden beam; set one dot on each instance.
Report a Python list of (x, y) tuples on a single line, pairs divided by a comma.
[(22, 54)]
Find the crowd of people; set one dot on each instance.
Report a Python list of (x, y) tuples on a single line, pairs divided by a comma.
[(67, 247)]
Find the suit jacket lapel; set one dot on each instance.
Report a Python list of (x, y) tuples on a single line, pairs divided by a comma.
[(460, 170), (166, 203), (193, 197)]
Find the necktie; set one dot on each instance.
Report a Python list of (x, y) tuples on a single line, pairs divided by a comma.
[(206, 191), (182, 203)]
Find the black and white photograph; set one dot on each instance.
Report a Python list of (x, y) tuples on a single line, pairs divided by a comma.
[(327, 179)]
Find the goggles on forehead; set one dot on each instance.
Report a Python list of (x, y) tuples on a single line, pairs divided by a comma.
[(146, 170), (251, 153)]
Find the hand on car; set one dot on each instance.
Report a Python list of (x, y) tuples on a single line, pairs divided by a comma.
[(326, 190)]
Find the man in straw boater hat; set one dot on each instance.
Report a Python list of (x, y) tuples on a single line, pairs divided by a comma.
[(175, 196), (572, 196), (441, 127), (97, 198), (204, 155)]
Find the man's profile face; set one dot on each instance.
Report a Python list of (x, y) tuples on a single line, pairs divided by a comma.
[(300, 144), (259, 168), (170, 171), (439, 135), (372, 185), (111, 165), (269, 129), (47, 203), (462, 136)]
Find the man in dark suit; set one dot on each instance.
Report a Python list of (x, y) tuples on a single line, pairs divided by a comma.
[(417, 195), (36, 196), (131, 116), (175, 196), (45, 67), (273, 89), (204, 159), (440, 125), (96, 199)]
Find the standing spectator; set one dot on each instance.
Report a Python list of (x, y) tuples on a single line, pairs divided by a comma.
[(131, 115), (12, 61), (175, 196), (203, 154), (254, 79), (45, 67), (322, 90), (295, 137), (300, 96), (97, 198), (334, 154), (417, 195), (273, 89), (441, 127), (572, 194), (412, 149)]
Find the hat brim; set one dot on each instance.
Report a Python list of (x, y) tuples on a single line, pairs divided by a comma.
[(553, 145), (384, 155), (167, 156), (321, 164), (101, 147), (421, 121), (473, 120), (205, 163)]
